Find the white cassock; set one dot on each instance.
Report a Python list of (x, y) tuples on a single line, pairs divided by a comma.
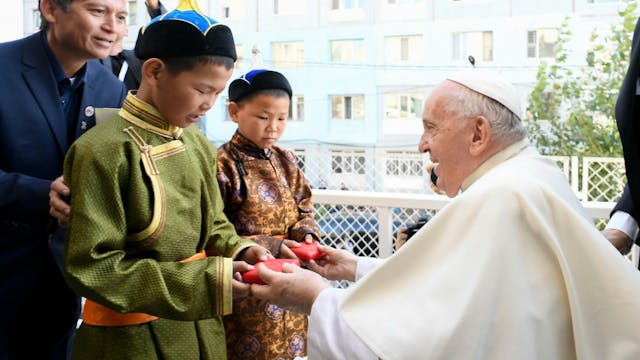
[(512, 268)]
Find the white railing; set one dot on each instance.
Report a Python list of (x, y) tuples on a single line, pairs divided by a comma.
[(401, 170), (381, 205)]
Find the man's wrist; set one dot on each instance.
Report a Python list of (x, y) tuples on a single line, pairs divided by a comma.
[(315, 297), (624, 222)]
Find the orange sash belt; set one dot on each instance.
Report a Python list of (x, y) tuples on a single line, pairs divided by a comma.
[(98, 315)]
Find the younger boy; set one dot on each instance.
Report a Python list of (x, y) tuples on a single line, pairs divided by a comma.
[(267, 198), (145, 200)]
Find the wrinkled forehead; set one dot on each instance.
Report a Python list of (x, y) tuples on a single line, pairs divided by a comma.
[(440, 99)]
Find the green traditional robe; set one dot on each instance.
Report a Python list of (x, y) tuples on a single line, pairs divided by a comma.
[(144, 197)]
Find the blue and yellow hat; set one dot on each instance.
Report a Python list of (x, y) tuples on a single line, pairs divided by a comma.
[(258, 80), (185, 31)]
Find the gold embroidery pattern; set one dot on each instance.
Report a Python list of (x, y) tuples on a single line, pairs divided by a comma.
[(151, 232)]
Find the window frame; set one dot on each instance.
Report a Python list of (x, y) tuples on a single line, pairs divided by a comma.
[(457, 45), (348, 107), (297, 53)]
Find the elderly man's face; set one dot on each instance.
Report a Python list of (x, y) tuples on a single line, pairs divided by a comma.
[(446, 138)]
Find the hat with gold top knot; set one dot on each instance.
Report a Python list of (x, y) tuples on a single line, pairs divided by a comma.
[(185, 31)]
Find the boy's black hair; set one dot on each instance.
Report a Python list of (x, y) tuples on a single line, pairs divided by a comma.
[(276, 93), (176, 65)]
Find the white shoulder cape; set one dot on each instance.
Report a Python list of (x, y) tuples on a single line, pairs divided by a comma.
[(512, 268)]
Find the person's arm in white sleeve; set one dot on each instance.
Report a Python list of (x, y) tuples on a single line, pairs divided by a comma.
[(366, 265), (328, 336), (621, 231), (624, 222)]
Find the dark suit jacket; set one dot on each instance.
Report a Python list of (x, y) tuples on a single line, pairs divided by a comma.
[(628, 121), (133, 75), (626, 204), (33, 143)]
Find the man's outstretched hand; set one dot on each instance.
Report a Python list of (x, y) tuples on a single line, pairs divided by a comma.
[(294, 288)]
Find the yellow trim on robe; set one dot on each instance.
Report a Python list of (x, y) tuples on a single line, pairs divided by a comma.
[(134, 110)]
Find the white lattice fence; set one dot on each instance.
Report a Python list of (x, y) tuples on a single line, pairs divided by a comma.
[(603, 179), (402, 170)]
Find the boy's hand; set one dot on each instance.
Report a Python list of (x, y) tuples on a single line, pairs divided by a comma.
[(58, 207), (285, 249), (294, 289), (287, 244), (240, 289), (254, 254), (338, 264)]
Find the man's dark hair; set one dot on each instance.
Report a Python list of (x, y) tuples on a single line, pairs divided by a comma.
[(63, 4), (176, 65)]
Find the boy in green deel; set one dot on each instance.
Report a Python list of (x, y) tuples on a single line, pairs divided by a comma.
[(148, 244)]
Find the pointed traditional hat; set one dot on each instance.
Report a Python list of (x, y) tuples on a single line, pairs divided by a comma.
[(185, 31), (492, 85)]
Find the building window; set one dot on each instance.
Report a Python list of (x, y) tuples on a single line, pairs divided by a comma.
[(35, 22), (347, 51), (347, 107), (346, 4), (225, 111), (287, 54), (240, 53), (401, 49), (540, 43), (296, 108), (478, 44), (403, 106), (348, 162), (231, 9), (403, 163), (132, 8), (288, 7)]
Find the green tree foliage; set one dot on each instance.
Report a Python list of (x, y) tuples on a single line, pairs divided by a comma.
[(572, 112)]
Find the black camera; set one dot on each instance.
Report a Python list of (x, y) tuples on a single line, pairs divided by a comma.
[(413, 228)]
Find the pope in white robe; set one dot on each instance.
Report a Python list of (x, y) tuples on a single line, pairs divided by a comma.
[(512, 268)]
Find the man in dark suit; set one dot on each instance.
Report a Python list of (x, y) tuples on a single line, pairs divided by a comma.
[(123, 63), (50, 90), (622, 229)]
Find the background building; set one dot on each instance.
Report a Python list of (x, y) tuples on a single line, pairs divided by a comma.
[(360, 69)]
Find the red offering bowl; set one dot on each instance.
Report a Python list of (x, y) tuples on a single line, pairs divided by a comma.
[(307, 251), (251, 276)]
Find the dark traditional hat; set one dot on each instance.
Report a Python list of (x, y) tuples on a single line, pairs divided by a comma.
[(257, 80), (185, 31)]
